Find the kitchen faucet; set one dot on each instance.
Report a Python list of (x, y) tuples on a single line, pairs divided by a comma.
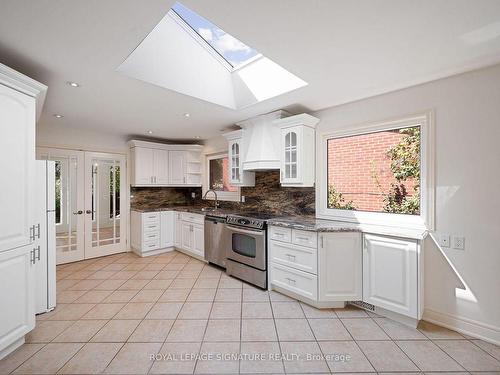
[(215, 194)]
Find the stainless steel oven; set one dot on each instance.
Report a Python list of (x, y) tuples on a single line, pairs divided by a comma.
[(247, 249)]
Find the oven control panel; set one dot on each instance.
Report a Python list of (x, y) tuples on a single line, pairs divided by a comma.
[(246, 222)]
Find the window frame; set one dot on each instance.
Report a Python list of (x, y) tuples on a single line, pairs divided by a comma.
[(426, 219), (231, 196)]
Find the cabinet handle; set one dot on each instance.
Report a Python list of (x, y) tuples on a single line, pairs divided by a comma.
[(291, 257), (79, 212), (302, 238), (152, 236), (279, 234), (321, 240), (38, 250), (32, 233), (32, 252), (291, 281), (152, 226), (184, 179)]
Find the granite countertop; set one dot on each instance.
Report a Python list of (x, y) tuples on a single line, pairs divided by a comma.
[(310, 223), (192, 209)]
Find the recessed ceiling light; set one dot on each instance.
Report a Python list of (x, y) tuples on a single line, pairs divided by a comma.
[(187, 115), (58, 115), (73, 84), (149, 132)]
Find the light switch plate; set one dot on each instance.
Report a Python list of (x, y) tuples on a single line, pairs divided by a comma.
[(458, 242), (242, 199), (193, 195), (444, 240)]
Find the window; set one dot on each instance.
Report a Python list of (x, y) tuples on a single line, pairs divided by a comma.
[(231, 49), (218, 178), (379, 174)]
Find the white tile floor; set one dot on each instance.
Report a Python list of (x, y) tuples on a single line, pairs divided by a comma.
[(115, 312)]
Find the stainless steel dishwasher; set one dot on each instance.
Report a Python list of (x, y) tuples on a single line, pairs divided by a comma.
[(216, 240)]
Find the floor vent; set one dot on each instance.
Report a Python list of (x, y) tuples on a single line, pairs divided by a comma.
[(363, 305)]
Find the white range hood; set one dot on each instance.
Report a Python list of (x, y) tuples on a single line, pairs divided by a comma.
[(263, 141)]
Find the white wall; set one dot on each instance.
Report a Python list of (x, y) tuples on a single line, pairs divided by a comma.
[(467, 122), (79, 139)]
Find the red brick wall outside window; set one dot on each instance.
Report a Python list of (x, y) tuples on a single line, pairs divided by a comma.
[(360, 169)]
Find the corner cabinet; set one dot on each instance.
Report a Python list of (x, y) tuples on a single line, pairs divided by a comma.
[(21, 100), (297, 149), (157, 164), (236, 154)]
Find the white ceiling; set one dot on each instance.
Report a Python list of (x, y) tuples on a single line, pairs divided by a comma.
[(346, 50)]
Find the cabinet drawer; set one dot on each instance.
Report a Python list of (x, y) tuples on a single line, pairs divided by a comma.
[(299, 257), (305, 238), (151, 236), (193, 218), (280, 234), (151, 227), (150, 217), (302, 283), (151, 245)]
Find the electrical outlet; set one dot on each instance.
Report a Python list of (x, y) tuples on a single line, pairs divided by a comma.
[(458, 242), (193, 195), (242, 199), (444, 240)]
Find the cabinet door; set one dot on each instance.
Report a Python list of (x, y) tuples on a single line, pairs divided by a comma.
[(290, 155), (235, 162), (198, 240), (340, 267), (390, 274), (167, 228), (160, 167), (178, 231), (177, 167), (17, 163), (17, 315), (187, 237), (143, 166)]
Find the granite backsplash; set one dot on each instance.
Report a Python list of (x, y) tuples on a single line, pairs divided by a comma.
[(267, 196)]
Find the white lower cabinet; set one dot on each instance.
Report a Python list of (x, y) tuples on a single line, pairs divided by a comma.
[(302, 283), (390, 278), (167, 228), (178, 230), (340, 267), (17, 315), (192, 233), (324, 268), (151, 232)]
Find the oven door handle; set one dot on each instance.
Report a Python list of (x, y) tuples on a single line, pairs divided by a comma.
[(239, 230)]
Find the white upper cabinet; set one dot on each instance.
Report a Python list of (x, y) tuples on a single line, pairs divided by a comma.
[(236, 155), (142, 166), (390, 278), (156, 164), (160, 167), (297, 150), (177, 167)]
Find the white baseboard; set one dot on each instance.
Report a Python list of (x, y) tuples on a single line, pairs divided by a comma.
[(463, 325), (153, 252)]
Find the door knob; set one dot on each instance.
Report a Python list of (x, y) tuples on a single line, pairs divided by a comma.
[(79, 212), (88, 211)]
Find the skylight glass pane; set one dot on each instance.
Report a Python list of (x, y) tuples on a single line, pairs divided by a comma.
[(231, 49)]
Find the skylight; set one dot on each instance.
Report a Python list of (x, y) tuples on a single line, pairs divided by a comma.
[(235, 52)]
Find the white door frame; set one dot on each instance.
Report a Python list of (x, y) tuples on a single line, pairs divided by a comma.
[(97, 251), (84, 248)]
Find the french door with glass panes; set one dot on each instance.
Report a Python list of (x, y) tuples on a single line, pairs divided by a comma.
[(89, 219)]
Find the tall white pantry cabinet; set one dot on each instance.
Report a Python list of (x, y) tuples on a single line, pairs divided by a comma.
[(21, 99)]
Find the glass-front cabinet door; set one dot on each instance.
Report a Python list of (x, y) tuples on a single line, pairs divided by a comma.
[(290, 171), (235, 162)]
